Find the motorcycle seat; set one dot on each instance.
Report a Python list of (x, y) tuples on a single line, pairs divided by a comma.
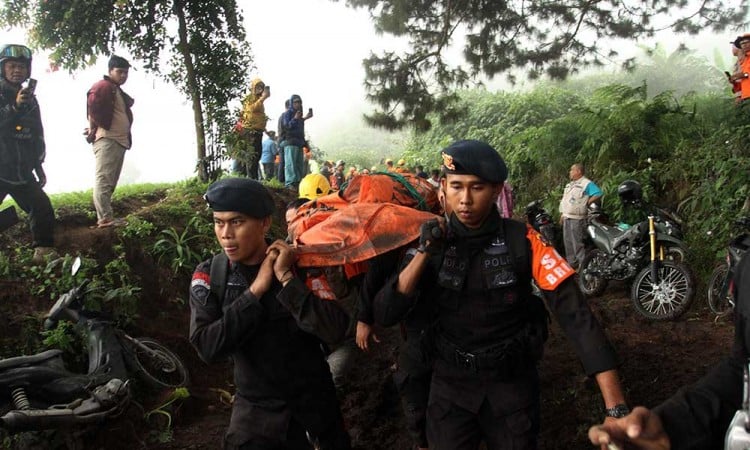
[(28, 360)]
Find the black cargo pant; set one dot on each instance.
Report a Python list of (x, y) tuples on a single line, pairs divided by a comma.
[(31, 198), (335, 438), (507, 419), (412, 379)]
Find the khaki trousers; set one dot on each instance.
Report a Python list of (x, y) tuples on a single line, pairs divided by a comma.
[(109, 155)]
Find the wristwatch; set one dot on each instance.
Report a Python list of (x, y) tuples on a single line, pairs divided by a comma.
[(617, 411)]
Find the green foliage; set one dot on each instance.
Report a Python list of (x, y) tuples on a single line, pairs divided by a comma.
[(202, 43), (137, 228), (63, 337), (179, 248), (552, 39), (239, 147), (690, 152), (55, 277)]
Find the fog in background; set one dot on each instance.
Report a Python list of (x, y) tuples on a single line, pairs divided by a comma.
[(313, 48)]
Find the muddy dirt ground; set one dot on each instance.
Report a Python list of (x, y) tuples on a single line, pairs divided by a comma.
[(657, 358)]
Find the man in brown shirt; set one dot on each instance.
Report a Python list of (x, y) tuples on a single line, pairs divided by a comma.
[(110, 118)]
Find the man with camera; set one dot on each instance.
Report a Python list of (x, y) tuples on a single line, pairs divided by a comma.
[(22, 147), (253, 121), (293, 123)]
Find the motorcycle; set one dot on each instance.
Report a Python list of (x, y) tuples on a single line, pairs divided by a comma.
[(37, 392), (650, 253), (720, 284), (541, 221)]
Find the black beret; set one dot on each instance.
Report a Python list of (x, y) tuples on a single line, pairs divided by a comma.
[(241, 195), (470, 157)]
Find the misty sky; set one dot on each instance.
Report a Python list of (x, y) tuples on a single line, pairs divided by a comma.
[(313, 48)]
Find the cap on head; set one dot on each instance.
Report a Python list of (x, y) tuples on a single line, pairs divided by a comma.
[(340, 162), (471, 157), (389, 161), (314, 185), (241, 195), (118, 62), (401, 162)]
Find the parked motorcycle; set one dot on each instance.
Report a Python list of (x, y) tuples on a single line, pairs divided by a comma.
[(650, 253), (38, 392), (541, 221), (720, 283)]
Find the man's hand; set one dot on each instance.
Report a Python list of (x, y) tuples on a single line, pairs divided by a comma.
[(737, 76), (431, 235), (364, 332), (263, 280), (641, 430), (23, 98), (284, 260)]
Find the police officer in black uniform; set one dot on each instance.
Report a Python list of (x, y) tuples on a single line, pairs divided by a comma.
[(698, 416), (271, 326), (475, 270)]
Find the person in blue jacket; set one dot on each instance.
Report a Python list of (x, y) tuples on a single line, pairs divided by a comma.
[(294, 134)]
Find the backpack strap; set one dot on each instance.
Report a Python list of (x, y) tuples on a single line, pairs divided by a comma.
[(515, 237), (218, 275)]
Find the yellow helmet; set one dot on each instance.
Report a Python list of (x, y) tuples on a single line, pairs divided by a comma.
[(313, 186)]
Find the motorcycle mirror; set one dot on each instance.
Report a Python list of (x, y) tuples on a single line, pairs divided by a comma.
[(76, 265)]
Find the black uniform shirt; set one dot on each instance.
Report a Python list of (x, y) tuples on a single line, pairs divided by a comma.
[(566, 303), (279, 367)]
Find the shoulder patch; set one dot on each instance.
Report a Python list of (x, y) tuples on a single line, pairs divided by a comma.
[(548, 268), (200, 287)]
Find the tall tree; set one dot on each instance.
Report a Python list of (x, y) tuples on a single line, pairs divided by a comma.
[(198, 45), (552, 38)]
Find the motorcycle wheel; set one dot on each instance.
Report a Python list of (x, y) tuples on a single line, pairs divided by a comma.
[(162, 369), (674, 254), (669, 297), (717, 304), (592, 285)]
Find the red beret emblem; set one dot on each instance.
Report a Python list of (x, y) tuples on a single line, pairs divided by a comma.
[(448, 161)]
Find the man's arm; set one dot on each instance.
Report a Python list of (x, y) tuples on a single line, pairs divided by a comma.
[(323, 318), (100, 105), (214, 333), (599, 360)]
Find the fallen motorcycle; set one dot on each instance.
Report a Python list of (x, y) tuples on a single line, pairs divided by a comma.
[(39, 393), (650, 253)]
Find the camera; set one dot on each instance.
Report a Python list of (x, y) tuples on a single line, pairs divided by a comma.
[(31, 86)]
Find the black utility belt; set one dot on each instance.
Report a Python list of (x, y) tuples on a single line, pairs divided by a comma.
[(503, 356)]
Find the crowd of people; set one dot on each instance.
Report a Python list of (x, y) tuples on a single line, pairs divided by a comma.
[(474, 330), (474, 326)]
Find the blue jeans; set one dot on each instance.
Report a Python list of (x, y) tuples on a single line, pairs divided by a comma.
[(294, 161)]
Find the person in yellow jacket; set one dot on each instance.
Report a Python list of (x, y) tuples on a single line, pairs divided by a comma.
[(253, 122)]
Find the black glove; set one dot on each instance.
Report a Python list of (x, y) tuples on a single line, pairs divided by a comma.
[(430, 237)]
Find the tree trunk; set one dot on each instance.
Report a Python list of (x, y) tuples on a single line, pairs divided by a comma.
[(195, 95)]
